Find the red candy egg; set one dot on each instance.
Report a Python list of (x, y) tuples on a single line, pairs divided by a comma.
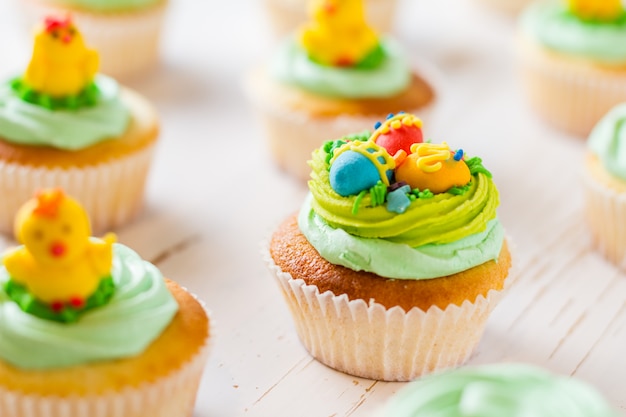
[(398, 132)]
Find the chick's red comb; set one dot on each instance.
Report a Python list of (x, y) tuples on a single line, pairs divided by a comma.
[(51, 23), (48, 202)]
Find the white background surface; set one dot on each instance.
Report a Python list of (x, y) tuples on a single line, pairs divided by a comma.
[(213, 196)]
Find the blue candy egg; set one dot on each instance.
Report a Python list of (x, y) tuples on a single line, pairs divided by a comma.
[(352, 173)]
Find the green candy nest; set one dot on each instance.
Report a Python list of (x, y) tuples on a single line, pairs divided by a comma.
[(88, 97), (68, 314), (378, 193)]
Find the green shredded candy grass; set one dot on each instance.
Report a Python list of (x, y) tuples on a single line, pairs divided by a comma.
[(357, 202), (475, 166), (88, 97)]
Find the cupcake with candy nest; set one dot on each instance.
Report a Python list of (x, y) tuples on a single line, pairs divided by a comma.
[(86, 324), (64, 125), (333, 77), (504, 389), (126, 33), (573, 60), (396, 258)]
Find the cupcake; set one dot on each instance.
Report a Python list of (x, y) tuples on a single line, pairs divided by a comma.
[(573, 58), (604, 182), (287, 15), (393, 264), (63, 125), (88, 328), (125, 32), (505, 389), (335, 77)]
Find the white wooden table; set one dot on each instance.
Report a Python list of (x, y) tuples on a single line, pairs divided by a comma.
[(213, 196)]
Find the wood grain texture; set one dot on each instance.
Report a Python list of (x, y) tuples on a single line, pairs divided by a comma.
[(214, 197)]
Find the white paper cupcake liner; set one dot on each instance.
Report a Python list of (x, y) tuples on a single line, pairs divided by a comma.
[(370, 341), (570, 94), (111, 192), (128, 43), (605, 210), (170, 396)]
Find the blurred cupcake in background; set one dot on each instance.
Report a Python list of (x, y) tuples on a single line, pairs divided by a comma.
[(287, 15), (124, 32), (605, 185), (499, 390), (335, 76), (573, 59), (64, 125)]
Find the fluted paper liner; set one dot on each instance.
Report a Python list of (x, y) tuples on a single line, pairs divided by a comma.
[(367, 340), (605, 210), (569, 94), (127, 42), (111, 192), (171, 396)]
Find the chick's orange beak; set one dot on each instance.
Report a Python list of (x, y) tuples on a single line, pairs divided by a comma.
[(57, 249)]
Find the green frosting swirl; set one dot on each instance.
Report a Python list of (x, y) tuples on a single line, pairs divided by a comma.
[(502, 390), (25, 123), (444, 218), (292, 65), (551, 24), (608, 141), (107, 5), (398, 260), (139, 311)]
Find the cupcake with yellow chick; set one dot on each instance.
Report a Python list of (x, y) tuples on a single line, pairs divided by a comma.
[(86, 324), (332, 77), (64, 125), (397, 256), (126, 33), (573, 60)]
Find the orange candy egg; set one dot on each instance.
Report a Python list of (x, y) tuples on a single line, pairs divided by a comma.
[(452, 174)]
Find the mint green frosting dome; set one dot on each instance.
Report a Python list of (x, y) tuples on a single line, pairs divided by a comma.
[(552, 25), (141, 308), (292, 65), (398, 260), (502, 390), (107, 5), (608, 141), (25, 123)]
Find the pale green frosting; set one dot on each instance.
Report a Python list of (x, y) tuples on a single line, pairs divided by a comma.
[(502, 390), (141, 308), (398, 260), (29, 124), (552, 25), (608, 141), (291, 65), (444, 218), (107, 5)]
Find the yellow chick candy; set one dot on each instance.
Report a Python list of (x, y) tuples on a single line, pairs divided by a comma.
[(338, 35), (604, 10), (433, 167), (61, 64), (59, 264)]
